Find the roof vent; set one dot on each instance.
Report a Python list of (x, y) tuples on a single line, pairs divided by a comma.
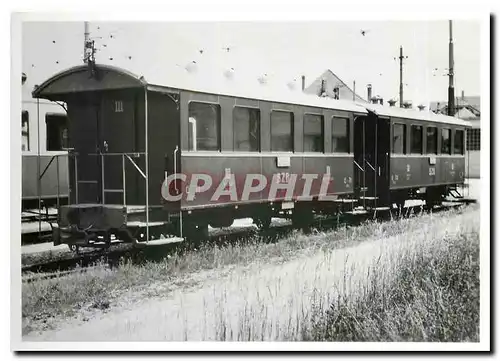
[(262, 79), (407, 105), (421, 107), (191, 67), (23, 78), (292, 84), (392, 102), (229, 73)]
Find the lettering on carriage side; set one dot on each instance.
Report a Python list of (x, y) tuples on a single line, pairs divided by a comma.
[(118, 106), (408, 168), (282, 177), (432, 171)]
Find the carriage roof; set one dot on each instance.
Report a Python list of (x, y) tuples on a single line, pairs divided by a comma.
[(224, 83)]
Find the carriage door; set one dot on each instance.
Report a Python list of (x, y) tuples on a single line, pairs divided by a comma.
[(383, 159), (84, 167), (117, 138), (371, 150)]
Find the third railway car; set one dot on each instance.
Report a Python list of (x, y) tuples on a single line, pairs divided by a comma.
[(245, 143)]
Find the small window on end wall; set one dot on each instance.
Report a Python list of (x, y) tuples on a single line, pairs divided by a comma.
[(458, 142), (416, 139), (281, 131), (399, 138), (204, 126), (432, 140), (246, 129), (25, 131), (340, 135), (57, 131), (313, 133), (445, 141)]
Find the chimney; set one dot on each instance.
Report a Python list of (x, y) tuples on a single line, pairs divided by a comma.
[(369, 86), (322, 90), (463, 95), (392, 102), (303, 82), (336, 93)]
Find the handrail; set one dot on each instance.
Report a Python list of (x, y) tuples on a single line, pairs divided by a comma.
[(134, 154), (47, 166), (358, 166), (372, 167), (136, 166), (175, 165)]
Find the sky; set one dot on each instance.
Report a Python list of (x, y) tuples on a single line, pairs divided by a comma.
[(283, 50)]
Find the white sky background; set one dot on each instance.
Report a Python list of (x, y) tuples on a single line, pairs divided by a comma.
[(284, 50)]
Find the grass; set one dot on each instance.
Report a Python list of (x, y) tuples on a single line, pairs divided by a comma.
[(46, 301), (421, 285), (434, 297)]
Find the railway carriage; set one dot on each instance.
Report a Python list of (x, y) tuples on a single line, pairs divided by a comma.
[(46, 162), (148, 158)]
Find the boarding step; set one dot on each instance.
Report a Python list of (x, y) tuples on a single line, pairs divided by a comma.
[(368, 198), (346, 201), (160, 242), (454, 193), (140, 224)]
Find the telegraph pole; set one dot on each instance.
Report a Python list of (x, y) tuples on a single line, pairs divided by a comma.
[(400, 76), (451, 88), (86, 42)]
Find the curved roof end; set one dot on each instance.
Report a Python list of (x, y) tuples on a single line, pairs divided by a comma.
[(84, 78)]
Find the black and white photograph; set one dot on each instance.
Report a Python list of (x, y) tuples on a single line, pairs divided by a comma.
[(316, 183)]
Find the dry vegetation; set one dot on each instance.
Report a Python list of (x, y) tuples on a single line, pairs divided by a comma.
[(427, 289), (434, 297)]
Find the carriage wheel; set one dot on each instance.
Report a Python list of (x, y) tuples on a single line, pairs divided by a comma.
[(263, 223)]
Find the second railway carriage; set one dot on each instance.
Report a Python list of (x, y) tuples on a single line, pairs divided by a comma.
[(129, 137), (406, 154)]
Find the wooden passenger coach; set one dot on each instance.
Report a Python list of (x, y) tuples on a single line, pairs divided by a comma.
[(127, 135)]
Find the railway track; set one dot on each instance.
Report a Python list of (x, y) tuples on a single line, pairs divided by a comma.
[(113, 257)]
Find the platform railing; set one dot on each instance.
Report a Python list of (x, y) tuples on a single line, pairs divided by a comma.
[(102, 157)]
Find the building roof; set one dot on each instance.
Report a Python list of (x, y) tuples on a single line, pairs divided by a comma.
[(332, 81), (471, 103)]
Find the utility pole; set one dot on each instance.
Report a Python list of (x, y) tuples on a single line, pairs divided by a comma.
[(400, 76), (451, 89), (86, 42)]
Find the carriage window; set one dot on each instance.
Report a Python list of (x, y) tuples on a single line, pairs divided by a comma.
[(474, 139), (25, 130), (416, 146), (340, 135), (281, 131), (399, 138), (458, 142), (432, 140), (204, 126), (445, 141), (57, 131), (313, 133), (246, 129)]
